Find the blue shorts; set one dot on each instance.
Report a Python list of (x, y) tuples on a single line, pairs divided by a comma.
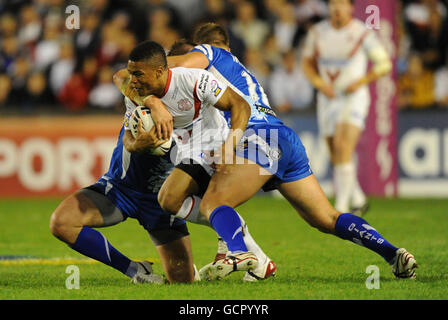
[(133, 204), (278, 149)]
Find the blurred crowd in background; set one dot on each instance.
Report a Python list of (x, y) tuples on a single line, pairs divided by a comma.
[(46, 66)]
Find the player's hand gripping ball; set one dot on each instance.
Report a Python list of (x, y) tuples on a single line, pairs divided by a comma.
[(144, 113)]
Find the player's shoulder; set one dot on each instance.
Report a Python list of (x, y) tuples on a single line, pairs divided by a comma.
[(321, 26)]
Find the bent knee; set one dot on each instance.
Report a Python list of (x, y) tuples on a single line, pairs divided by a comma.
[(169, 202), (63, 223), (60, 225), (326, 223)]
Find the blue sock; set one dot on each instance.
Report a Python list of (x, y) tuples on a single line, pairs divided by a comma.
[(357, 230), (93, 244), (227, 224)]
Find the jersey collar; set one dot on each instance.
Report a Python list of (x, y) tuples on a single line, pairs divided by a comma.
[(168, 82)]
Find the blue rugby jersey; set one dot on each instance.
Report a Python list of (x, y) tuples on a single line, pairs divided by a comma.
[(228, 69)]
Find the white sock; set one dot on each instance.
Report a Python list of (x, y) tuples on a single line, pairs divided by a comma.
[(344, 181), (251, 245), (190, 211)]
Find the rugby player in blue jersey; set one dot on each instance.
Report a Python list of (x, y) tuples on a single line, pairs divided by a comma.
[(292, 175), (275, 158), (128, 189)]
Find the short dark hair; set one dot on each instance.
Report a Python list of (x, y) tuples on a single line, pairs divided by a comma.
[(181, 47), (211, 33), (149, 50)]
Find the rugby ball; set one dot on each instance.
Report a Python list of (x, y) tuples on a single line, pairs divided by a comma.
[(144, 113)]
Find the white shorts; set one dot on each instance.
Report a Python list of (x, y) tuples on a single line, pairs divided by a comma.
[(196, 145), (352, 109), (198, 156)]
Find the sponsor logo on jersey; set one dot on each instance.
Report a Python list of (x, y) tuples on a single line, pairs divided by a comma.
[(214, 86), (203, 82), (126, 119)]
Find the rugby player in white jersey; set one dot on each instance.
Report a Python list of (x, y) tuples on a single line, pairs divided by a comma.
[(260, 150), (335, 60), (199, 128)]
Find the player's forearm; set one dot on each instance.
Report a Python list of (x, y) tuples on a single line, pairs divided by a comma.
[(239, 120), (143, 142), (175, 61), (310, 71), (188, 60), (375, 74), (162, 118), (121, 80), (129, 142), (239, 116), (155, 105)]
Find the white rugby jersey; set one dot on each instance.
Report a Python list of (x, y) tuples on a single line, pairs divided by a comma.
[(190, 96), (342, 55)]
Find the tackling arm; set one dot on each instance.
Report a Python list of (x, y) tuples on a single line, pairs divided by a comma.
[(121, 80), (163, 120), (189, 60)]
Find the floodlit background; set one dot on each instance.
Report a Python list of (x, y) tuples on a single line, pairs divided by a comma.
[(60, 114)]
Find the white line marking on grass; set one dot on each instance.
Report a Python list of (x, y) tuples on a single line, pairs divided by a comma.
[(56, 261)]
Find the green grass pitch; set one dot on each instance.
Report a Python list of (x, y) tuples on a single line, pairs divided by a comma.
[(311, 265)]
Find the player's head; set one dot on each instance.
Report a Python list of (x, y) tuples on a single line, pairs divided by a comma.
[(181, 47), (211, 33), (341, 12), (147, 66)]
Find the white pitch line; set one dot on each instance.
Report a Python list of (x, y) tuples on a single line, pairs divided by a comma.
[(57, 261)]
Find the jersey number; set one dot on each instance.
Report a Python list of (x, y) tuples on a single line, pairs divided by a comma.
[(252, 87)]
